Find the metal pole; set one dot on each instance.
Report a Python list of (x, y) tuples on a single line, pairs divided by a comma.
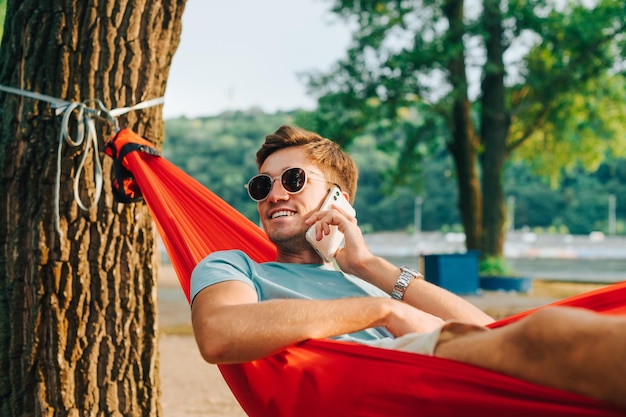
[(510, 205), (612, 219), (417, 215)]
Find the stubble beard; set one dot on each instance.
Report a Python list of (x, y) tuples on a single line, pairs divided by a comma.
[(294, 242)]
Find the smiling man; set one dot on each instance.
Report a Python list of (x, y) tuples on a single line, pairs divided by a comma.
[(243, 310)]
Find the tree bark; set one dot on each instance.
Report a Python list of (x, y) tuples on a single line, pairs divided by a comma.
[(464, 142), (494, 130), (78, 329)]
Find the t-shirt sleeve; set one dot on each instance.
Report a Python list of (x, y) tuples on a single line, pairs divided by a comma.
[(219, 267)]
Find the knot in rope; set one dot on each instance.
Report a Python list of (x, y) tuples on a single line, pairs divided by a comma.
[(85, 135)]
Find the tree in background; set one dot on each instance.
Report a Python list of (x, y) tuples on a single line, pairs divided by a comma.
[(215, 150), (78, 328), (491, 77)]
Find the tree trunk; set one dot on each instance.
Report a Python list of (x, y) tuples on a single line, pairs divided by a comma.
[(464, 141), (494, 128), (78, 333)]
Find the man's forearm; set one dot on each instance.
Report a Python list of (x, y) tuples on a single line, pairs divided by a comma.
[(243, 332), (442, 303), (422, 294)]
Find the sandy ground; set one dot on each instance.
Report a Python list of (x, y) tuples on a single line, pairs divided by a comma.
[(192, 387)]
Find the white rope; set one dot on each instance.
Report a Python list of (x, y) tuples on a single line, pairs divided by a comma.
[(144, 104), (84, 123), (86, 136), (56, 102)]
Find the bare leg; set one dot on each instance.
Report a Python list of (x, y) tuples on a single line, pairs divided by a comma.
[(566, 348)]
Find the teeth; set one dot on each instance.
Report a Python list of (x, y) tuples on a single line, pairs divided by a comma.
[(282, 213)]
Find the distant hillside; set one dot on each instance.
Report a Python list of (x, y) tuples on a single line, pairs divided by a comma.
[(219, 151)]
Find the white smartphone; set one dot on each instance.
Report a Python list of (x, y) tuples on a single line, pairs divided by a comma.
[(327, 247)]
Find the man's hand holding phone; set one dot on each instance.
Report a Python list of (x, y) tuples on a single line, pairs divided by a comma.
[(330, 242)]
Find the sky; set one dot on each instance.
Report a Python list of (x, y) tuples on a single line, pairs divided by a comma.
[(238, 54)]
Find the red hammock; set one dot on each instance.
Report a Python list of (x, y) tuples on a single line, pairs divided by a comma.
[(330, 378)]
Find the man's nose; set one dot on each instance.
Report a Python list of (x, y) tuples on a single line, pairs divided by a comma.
[(277, 192)]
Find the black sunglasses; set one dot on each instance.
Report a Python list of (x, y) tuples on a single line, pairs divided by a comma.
[(293, 181)]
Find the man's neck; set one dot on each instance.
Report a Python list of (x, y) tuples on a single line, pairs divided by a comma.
[(306, 257)]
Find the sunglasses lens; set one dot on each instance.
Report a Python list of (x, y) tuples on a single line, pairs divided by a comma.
[(259, 187), (293, 179)]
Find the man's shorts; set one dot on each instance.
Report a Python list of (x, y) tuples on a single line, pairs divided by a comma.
[(426, 343)]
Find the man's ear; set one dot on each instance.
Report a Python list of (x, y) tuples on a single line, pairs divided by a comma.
[(346, 195)]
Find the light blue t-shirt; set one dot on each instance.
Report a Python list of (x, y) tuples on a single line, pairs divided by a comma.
[(276, 280)]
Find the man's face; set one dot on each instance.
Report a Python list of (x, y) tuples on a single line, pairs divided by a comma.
[(283, 214)]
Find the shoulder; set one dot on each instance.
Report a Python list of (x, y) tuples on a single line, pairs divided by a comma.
[(225, 257), (220, 266)]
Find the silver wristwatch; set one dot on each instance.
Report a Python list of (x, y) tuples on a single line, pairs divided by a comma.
[(406, 277)]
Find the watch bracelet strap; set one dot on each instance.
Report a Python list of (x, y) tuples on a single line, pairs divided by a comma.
[(407, 275)]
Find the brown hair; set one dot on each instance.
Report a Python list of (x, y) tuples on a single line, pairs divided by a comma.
[(334, 162)]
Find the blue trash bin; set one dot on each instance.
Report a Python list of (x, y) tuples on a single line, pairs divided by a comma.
[(456, 272)]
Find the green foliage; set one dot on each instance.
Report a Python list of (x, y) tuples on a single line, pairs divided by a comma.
[(555, 80), (3, 11), (581, 129), (219, 152), (494, 266)]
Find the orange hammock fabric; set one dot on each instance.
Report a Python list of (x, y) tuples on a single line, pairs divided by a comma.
[(331, 378)]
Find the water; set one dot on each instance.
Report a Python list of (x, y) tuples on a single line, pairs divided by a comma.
[(577, 269), (586, 270), (593, 258)]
